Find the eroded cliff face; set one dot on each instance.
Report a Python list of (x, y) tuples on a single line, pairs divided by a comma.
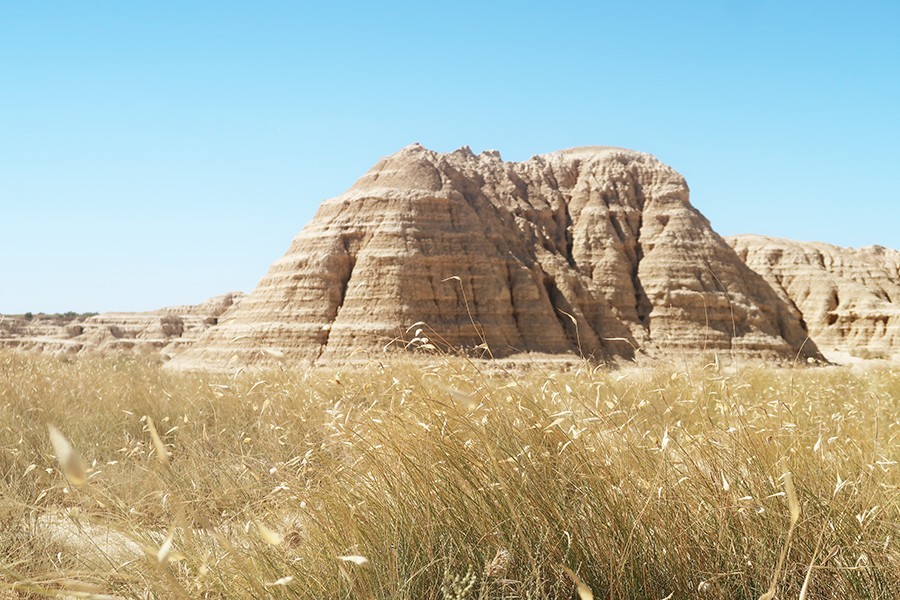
[(594, 251), (849, 297)]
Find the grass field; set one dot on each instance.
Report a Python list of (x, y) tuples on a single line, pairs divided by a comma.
[(421, 481)]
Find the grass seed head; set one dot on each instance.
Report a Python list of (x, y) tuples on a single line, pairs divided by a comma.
[(269, 536), (161, 453), (68, 459), (498, 566), (584, 592), (793, 504)]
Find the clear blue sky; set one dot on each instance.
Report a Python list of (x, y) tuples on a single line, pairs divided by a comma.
[(157, 153)]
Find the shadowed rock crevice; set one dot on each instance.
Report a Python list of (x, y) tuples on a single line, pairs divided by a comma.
[(562, 310), (565, 226), (343, 275), (642, 303), (516, 314)]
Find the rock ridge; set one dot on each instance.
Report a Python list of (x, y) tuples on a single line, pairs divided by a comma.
[(849, 297), (164, 331)]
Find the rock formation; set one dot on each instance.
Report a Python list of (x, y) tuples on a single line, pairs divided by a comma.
[(594, 251), (849, 298), (165, 331)]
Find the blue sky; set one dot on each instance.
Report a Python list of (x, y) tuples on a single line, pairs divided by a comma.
[(157, 153)]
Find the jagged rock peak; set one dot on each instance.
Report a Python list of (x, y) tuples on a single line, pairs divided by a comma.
[(418, 168), (594, 152), (594, 251)]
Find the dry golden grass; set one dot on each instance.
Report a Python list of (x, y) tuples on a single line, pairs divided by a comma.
[(441, 481)]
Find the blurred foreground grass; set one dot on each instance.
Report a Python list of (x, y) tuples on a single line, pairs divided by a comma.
[(414, 480)]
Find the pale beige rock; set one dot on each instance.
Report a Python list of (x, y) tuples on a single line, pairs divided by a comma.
[(94, 545), (164, 331), (849, 297), (591, 250)]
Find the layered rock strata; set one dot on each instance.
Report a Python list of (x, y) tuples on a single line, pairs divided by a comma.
[(590, 251), (849, 297), (165, 331)]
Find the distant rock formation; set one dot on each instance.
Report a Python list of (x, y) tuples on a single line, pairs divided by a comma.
[(593, 251), (165, 331), (849, 297)]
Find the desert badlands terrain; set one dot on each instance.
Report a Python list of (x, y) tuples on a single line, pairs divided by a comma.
[(470, 379), (589, 252)]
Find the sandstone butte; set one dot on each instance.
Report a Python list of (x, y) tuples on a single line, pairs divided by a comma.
[(592, 251), (849, 297)]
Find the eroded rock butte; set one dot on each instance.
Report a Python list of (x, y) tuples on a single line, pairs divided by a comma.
[(849, 297), (591, 251)]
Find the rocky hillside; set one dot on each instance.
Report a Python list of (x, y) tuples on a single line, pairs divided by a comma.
[(166, 330), (849, 297), (593, 251)]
